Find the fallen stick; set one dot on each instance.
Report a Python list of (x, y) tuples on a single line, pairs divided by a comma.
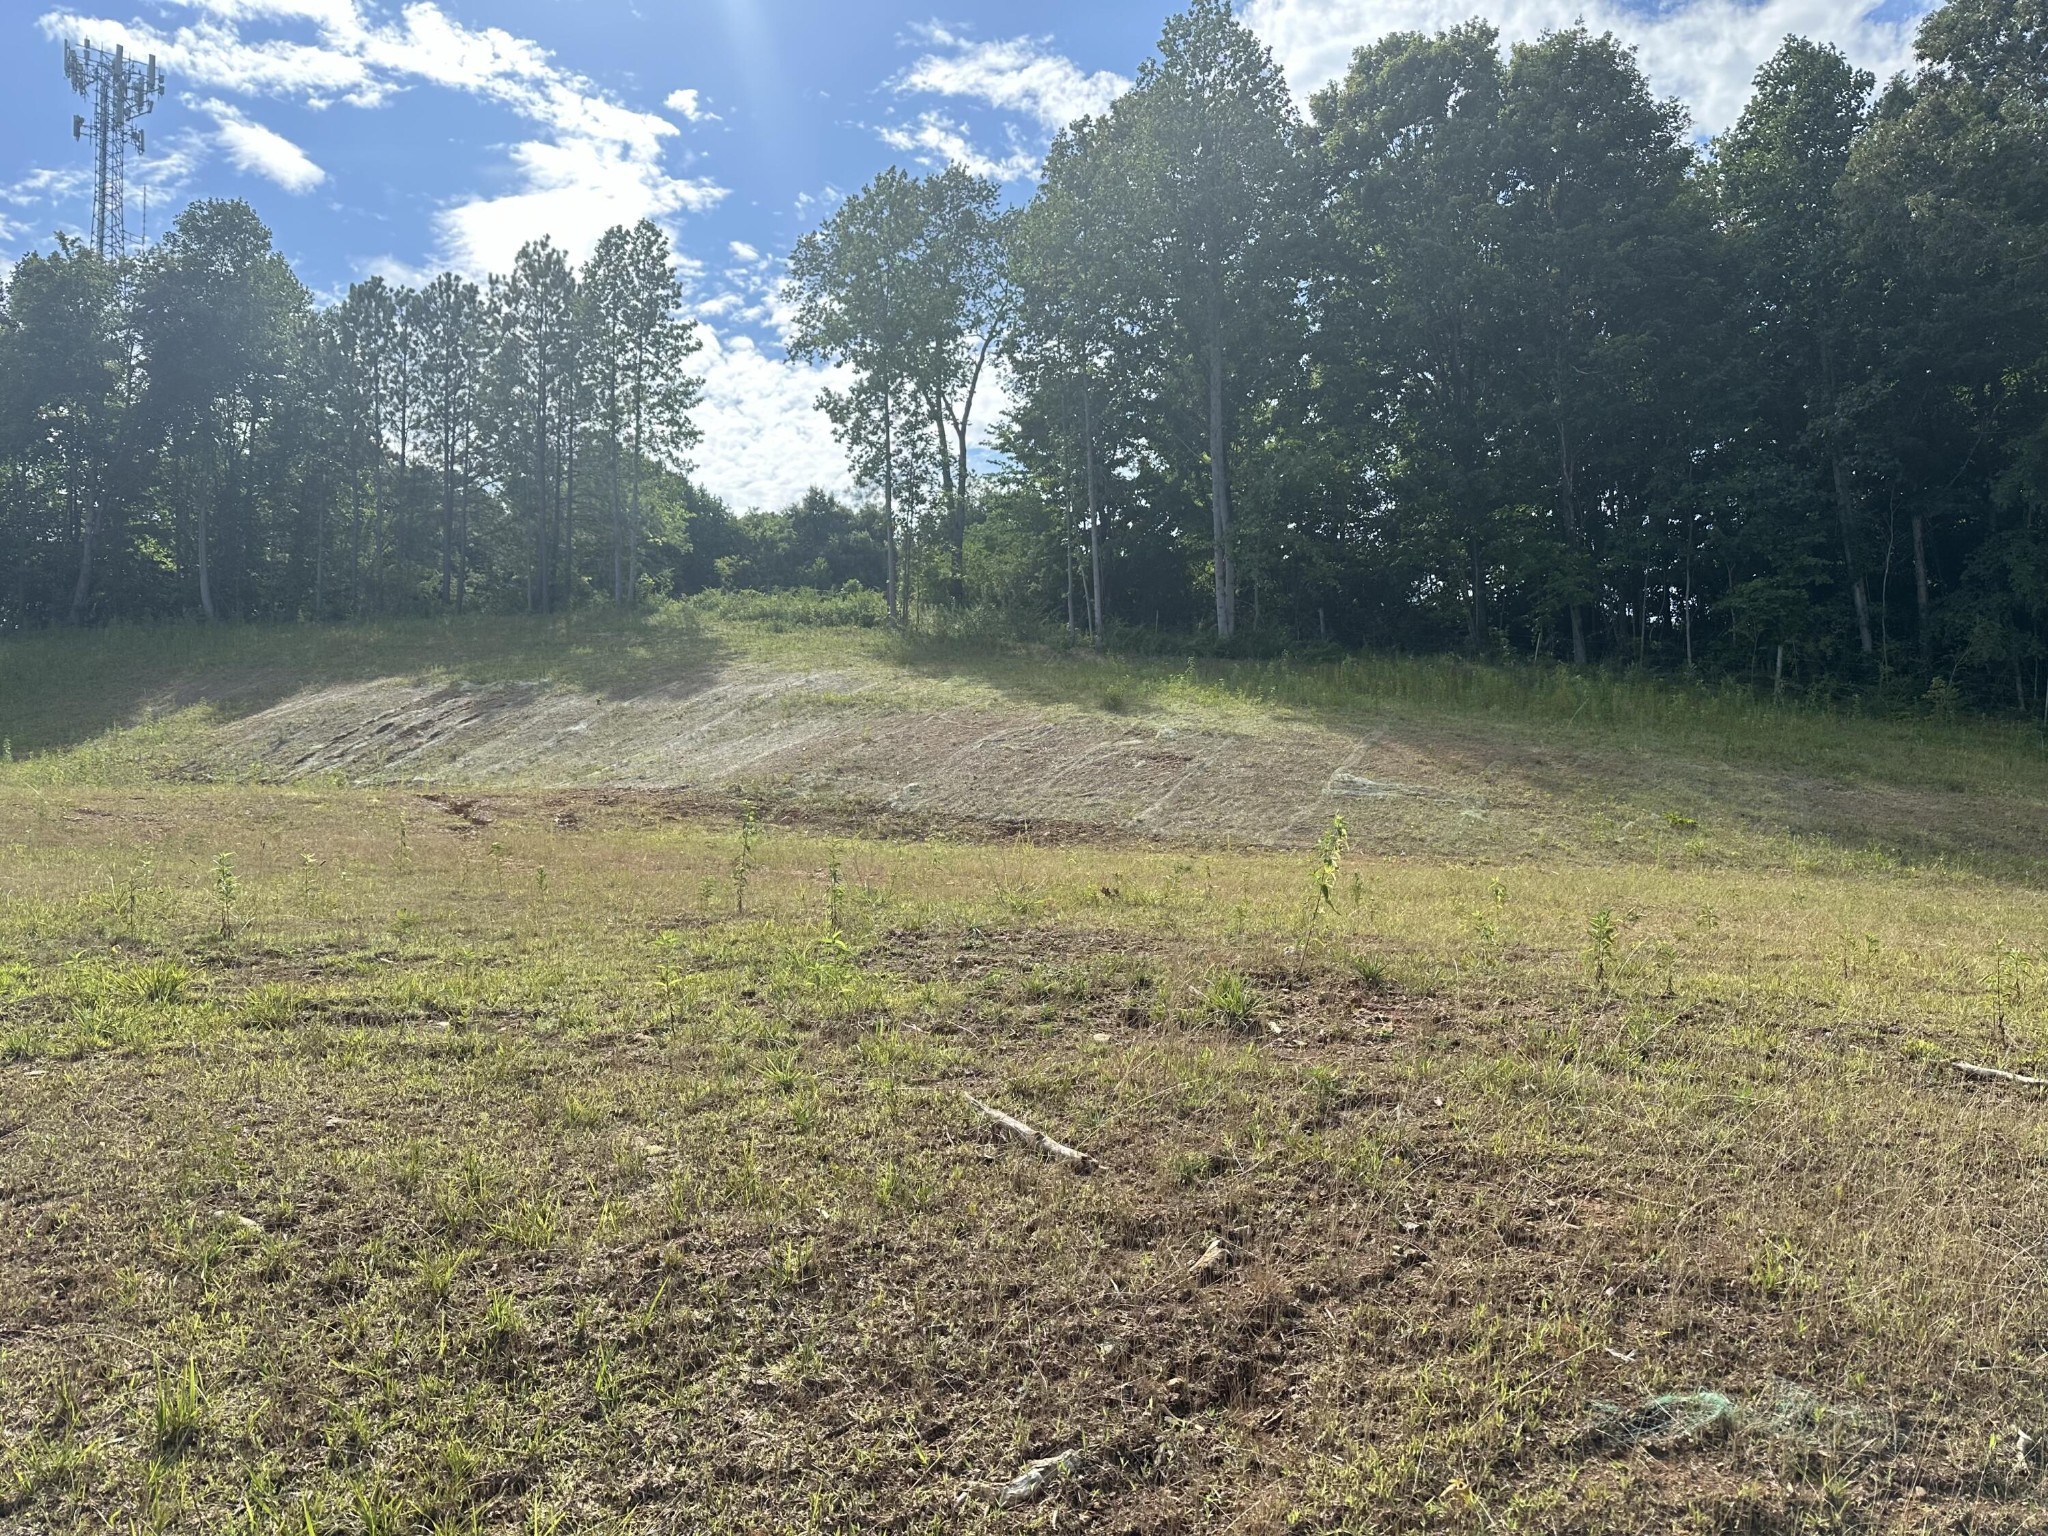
[(1082, 1162), (1971, 1069)]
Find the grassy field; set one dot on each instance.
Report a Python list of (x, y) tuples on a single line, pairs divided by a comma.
[(384, 1159)]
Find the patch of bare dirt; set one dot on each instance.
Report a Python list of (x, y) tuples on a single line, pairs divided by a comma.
[(817, 737), (831, 744)]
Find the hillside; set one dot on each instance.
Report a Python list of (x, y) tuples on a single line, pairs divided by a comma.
[(1417, 755)]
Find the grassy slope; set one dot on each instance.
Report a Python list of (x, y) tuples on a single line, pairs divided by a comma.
[(1576, 764), (478, 1160)]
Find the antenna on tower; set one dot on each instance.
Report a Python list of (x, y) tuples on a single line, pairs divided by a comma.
[(121, 91)]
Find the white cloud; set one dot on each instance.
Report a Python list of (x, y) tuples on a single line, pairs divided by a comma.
[(168, 166), (44, 184), (689, 105), (212, 54), (399, 274), (765, 442), (752, 291), (574, 189), (1017, 74), (938, 140), (261, 151), (34, 191), (595, 162), (1705, 52)]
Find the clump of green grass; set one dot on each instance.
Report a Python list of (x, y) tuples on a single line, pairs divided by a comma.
[(178, 1409), (1370, 972), (741, 873), (1231, 1000), (531, 1223), (160, 981), (503, 1327), (271, 1005), (437, 1271), (1603, 944)]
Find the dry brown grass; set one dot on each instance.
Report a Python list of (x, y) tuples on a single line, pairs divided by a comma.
[(472, 1164)]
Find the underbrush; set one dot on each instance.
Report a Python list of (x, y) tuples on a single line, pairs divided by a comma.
[(852, 607)]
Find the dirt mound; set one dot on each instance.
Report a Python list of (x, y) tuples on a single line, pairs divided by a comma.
[(840, 737)]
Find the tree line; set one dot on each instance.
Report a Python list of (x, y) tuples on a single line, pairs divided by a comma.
[(185, 432), (1487, 350)]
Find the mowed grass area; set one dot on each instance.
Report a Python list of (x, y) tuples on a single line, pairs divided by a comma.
[(406, 1160), (373, 1162)]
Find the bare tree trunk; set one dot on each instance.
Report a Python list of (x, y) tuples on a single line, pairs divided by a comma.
[(1567, 492), (1094, 514), (377, 523), (1067, 550), (205, 576), (1476, 630), (320, 558), (447, 507), (956, 527), (88, 532), (355, 539), (960, 423), (1692, 534), (569, 516), (618, 535), (1219, 486), (1926, 633), (543, 502), (461, 545), (1843, 504), (401, 523), (633, 527), (889, 496), (960, 510)]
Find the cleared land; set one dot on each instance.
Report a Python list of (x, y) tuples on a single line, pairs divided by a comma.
[(536, 1146)]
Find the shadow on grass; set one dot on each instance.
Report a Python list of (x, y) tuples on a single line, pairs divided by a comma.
[(1727, 724), (59, 689), (1619, 747)]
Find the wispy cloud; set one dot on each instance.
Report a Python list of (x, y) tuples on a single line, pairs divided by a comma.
[(1037, 90), (938, 140), (1706, 52), (36, 190), (688, 104), (1017, 74), (261, 151)]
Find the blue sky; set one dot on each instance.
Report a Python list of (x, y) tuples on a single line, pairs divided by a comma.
[(403, 136)]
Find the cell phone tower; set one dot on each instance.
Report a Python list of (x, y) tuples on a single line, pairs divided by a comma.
[(120, 90)]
